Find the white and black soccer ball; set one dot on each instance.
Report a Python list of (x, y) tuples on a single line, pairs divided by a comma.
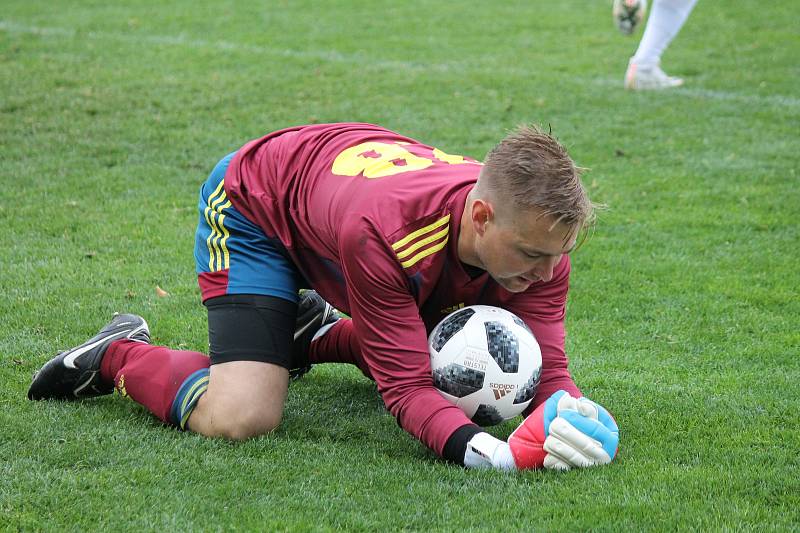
[(486, 361), (628, 14)]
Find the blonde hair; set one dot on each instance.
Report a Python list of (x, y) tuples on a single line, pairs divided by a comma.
[(531, 169)]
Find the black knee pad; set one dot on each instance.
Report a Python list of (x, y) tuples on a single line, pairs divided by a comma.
[(251, 327)]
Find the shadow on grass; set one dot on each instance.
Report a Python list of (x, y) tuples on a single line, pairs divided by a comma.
[(331, 407)]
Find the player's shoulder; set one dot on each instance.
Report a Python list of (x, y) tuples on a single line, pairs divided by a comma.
[(422, 238), (411, 241)]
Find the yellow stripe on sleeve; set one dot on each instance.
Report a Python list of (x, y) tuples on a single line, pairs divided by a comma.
[(411, 236), (419, 244), (425, 253)]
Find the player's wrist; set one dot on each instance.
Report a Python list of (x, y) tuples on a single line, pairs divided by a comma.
[(456, 445), (485, 451)]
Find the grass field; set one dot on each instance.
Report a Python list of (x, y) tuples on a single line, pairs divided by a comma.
[(682, 320)]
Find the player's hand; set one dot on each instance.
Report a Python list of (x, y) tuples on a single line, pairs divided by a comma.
[(582, 434), (565, 432)]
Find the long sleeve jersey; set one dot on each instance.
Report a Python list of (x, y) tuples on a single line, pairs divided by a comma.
[(370, 218)]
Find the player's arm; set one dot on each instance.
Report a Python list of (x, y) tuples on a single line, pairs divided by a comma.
[(393, 338)]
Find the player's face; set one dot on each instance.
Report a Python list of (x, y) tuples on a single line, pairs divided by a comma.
[(524, 250)]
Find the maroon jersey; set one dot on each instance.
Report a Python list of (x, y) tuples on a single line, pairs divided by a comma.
[(371, 219)]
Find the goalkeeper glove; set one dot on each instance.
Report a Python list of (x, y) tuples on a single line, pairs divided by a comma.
[(565, 432), (562, 433)]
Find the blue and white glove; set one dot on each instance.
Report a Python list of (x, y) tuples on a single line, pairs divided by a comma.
[(581, 433), (562, 433)]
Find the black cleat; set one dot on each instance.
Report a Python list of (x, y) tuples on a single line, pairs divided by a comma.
[(76, 372), (312, 314)]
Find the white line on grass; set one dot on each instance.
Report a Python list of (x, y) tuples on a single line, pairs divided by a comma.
[(183, 40), (698, 93), (362, 59)]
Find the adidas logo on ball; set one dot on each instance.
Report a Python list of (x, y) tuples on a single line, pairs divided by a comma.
[(501, 389)]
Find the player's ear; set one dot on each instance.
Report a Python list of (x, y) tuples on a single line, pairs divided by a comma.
[(482, 214)]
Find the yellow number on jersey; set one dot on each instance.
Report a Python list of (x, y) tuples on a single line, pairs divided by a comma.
[(377, 160), (447, 158)]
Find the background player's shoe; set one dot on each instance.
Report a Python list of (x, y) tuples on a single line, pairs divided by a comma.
[(642, 78), (76, 372), (313, 313), (628, 14)]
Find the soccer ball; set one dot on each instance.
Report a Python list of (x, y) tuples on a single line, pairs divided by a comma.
[(486, 361), (628, 14)]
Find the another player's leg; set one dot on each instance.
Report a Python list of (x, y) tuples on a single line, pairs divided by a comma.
[(665, 21)]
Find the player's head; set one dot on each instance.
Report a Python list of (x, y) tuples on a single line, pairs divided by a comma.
[(528, 208)]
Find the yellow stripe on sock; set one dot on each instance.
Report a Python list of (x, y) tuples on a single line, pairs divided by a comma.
[(191, 393), (199, 392)]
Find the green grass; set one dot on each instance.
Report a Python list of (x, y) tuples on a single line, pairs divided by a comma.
[(683, 316)]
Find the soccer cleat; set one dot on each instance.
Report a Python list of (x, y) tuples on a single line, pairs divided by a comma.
[(628, 14), (643, 78), (313, 313), (76, 372)]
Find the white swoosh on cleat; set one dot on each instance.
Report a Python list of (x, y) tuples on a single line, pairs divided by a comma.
[(303, 329), (323, 317), (69, 360)]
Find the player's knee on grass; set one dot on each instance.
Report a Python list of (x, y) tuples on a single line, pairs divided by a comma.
[(250, 341), (244, 399), (246, 423)]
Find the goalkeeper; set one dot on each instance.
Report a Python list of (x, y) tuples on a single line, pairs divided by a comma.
[(397, 234)]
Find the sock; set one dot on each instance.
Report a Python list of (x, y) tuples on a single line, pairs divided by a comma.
[(665, 21), (167, 382), (338, 345)]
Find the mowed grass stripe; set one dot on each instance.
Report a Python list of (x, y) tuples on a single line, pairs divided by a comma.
[(372, 63)]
